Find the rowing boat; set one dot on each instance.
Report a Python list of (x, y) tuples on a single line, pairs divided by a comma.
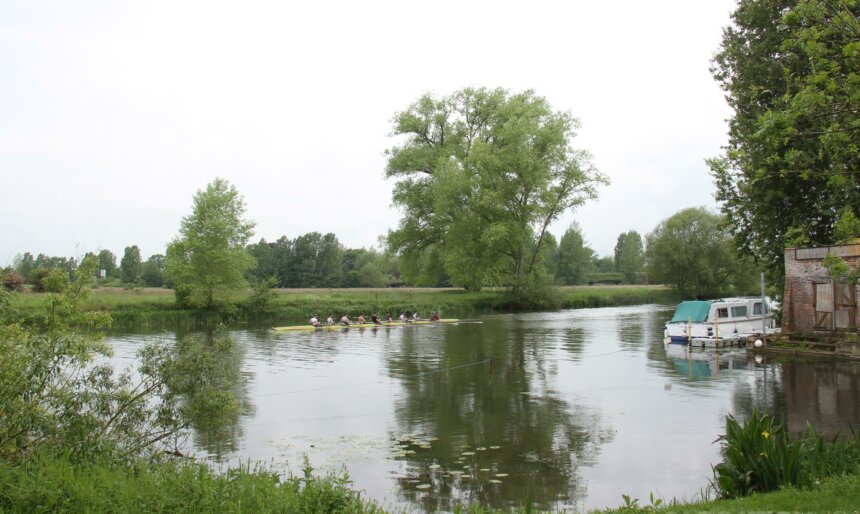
[(297, 328)]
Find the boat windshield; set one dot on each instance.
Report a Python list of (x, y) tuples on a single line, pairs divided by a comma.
[(695, 310)]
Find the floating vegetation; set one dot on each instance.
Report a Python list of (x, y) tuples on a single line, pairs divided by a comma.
[(422, 486), (495, 447), (501, 475), (485, 469), (494, 481), (481, 449), (468, 453)]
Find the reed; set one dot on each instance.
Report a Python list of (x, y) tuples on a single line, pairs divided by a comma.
[(760, 456)]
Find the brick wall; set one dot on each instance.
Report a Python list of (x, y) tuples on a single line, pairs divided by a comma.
[(803, 268)]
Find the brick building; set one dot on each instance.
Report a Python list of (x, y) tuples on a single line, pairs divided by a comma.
[(813, 302)]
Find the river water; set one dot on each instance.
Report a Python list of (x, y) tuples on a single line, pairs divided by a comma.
[(566, 410)]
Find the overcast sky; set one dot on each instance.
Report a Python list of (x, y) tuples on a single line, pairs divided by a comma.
[(113, 114)]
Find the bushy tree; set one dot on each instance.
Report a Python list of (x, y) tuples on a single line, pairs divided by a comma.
[(574, 259), (790, 70), (130, 265), (692, 251), (152, 271), (61, 396), (629, 255), (107, 262), (482, 173), (209, 260)]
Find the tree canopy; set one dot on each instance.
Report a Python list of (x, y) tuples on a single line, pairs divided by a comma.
[(692, 251), (629, 255), (791, 71), (481, 175), (209, 260), (574, 259)]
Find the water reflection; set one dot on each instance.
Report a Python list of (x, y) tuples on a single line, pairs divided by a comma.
[(501, 434), (569, 409)]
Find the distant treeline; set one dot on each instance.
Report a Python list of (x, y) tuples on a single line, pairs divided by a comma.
[(316, 260)]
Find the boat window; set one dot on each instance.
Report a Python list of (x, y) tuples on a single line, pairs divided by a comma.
[(757, 308), (723, 312), (739, 312)]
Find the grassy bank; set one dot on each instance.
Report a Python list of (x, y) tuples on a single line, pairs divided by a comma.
[(157, 307), (57, 485)]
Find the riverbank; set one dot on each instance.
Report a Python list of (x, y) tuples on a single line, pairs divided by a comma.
[(56, 485), (155, 307)]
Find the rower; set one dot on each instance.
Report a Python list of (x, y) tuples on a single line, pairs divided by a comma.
[(330, 320), (403, 317), (415, 316), (344, 320), (315, 322), (374, 318), (388, 317), (434, 316), (361, 319)]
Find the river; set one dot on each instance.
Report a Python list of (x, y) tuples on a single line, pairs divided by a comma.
[(567, 410)]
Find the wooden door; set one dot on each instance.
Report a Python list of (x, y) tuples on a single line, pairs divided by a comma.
[(823, 306)]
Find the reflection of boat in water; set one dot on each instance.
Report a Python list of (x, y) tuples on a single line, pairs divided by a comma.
[(718, 323), (704, 364)]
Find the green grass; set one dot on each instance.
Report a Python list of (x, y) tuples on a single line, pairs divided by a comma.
[(51, 484), (157, 307), (57, 485), (834, 494)]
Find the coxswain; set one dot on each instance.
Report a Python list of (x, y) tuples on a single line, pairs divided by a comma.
[(315, 322), (344, 320), (361, 319)]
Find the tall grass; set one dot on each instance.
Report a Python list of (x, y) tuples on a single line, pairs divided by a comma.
[(759, 456), (57, 484)]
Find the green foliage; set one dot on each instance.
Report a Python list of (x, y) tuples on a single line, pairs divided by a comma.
[(790, 69), (208, 260), (629, 256), (691, 251), (60, 484), (107, 262), (847, 227), (482, 173), (152, 271), (58, 395), (130, 265), (574, 259), (759, 456), (56, 281)]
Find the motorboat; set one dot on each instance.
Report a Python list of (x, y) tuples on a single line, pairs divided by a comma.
[(718, 323)]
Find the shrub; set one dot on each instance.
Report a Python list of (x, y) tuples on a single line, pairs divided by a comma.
[(13, 282)]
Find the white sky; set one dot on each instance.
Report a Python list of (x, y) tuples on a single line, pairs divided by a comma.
[(113, 114)]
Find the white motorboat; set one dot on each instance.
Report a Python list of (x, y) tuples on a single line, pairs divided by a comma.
[(716, 323)]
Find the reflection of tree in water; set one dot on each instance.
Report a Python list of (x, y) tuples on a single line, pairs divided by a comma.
[(216, 429), (487, 419)]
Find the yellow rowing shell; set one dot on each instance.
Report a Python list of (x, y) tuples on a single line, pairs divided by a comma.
[(297, 328)]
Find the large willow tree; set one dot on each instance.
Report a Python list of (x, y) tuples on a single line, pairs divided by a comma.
[(481, 175), (791, 71)]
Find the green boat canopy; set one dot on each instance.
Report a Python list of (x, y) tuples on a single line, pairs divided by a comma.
[(694, 310)]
